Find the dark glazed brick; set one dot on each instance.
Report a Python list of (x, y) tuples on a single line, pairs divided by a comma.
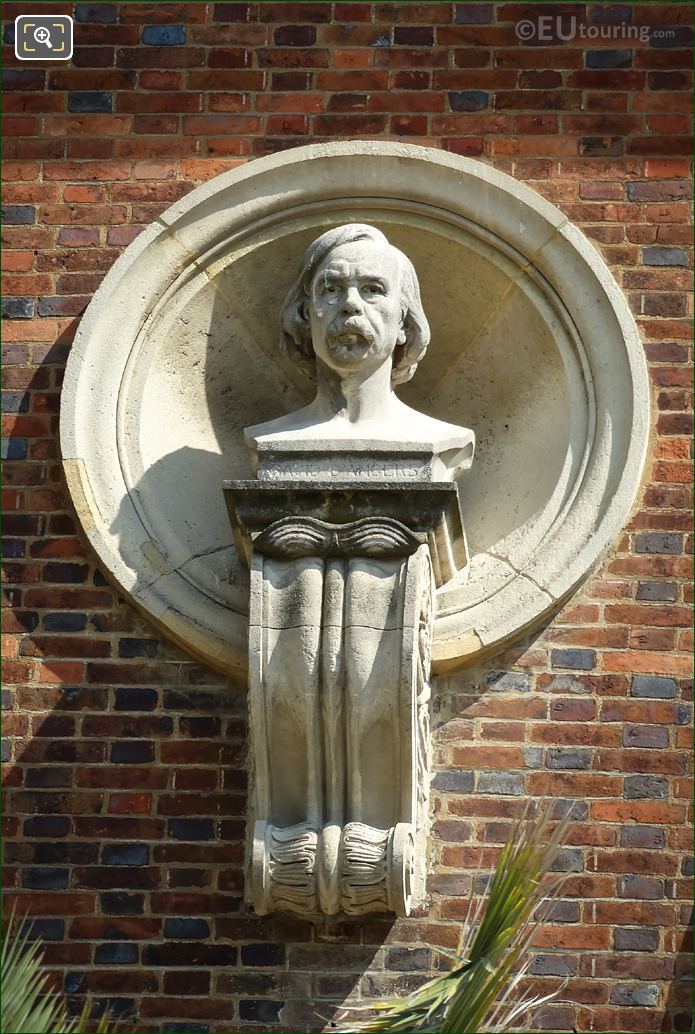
[(18, 215), (74, 981), (637, 787), (15, 402), (608, 58), (654, 737), (683, 714), (405, 960), (295, 36), (473, 14), (505, 783), (413, 36), (657, 542), (47, 929), (554, 966), (262, 955), (18, 308), (644, 888), (568, 757), (90, 101), (118, 903), (49, 778), (508, 681), (118, 1008), (454, 781), (663, 591), (181, 929), (636, 995), (125, 854), (65, 574), (610, 14), (628, 939), (191, 829), (678, 36), (14, 449), (468, 100), (164, 35), (104, 13), (45, 879), (188, 953), (649, 837), (134, 699), (569, 859), (138, 647), (23, 78), (657, 686), (64, 621), (656, 256), (47, 826), (12, 548), (116, 954), (199, 727), (260, 1010), (65, 853), (584, 660), (133, 753)]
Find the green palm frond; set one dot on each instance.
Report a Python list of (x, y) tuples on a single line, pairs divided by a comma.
[(28, 1004), (478, 993)]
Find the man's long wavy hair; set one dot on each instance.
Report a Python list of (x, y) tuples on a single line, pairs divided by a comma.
[(295, 340)]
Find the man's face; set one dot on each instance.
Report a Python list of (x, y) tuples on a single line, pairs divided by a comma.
[(355, 306)]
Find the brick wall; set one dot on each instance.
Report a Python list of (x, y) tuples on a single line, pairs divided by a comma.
[(125, 758)]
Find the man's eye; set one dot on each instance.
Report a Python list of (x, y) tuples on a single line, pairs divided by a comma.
[(330, 289), (373, 289)]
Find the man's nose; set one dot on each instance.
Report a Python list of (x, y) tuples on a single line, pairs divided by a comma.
[(352, 301)]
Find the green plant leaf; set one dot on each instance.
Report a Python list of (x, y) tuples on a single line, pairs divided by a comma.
[(478, 993), (27, 1004)]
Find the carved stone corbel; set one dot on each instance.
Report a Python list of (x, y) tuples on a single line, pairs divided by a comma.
[(340, 627)]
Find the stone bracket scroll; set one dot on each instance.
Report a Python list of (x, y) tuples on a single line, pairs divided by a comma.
[(340, 625)]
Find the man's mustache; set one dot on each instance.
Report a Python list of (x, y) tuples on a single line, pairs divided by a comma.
[(351, 327)]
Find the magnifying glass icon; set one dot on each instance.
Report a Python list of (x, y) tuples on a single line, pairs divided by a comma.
[(42, 35)]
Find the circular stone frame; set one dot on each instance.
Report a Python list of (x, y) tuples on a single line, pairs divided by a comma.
[(146, 442)]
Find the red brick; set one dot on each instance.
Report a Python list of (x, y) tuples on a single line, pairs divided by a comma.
[(84, 194), (564, 937), (582, 784), (543, 102), (161, 57), (159, 102), (648, 812), (99, 171), (42, 904), (87, 125), (250, 35)]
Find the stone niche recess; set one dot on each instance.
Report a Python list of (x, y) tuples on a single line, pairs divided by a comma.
[(338, 595), (533, 347)]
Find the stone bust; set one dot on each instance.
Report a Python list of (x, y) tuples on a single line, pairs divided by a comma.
[(354, 320)]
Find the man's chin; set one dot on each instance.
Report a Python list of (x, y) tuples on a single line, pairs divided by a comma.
[(350, 350)]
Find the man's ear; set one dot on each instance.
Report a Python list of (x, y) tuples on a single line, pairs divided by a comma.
[(400, 340)]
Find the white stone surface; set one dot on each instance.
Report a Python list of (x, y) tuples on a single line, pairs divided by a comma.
[(533, 347), (338, 706)]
